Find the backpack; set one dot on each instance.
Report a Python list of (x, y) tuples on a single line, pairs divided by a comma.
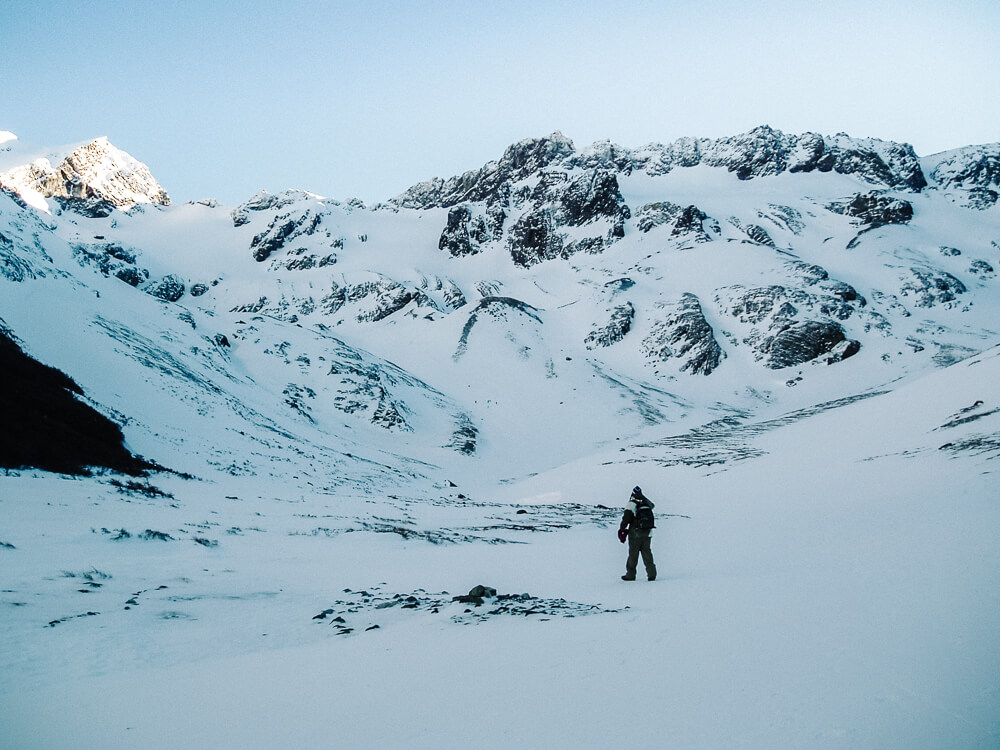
[(644, 515)]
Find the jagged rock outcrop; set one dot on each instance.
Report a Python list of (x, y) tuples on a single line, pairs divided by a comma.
[(686, 222), (112, 259), (533, 238), (792, 326), (96, 173), (764, 152), (931, 286), (264, 201), (463, 235), (686, 335), (619, 324), (170, 288), (372, 300), (875, 209), (283, 229), (488, 183), (971, 175), (806, 340), (982, 269), (91, 208)]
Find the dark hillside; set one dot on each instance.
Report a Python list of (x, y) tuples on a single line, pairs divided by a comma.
[(46, 427)]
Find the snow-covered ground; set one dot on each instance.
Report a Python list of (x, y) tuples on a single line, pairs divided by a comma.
[(839, 588)]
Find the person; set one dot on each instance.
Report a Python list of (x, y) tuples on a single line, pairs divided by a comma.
[(637, 528)]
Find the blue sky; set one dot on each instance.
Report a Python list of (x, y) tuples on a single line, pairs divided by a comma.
[(363, 99)]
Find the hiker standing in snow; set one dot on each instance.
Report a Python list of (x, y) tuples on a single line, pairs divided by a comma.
[(637, 526)]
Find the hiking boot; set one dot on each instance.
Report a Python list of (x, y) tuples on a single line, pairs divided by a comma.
[(627, 577), (652, 577)]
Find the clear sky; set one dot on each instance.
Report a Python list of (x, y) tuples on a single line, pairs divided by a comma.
[(365, 98)]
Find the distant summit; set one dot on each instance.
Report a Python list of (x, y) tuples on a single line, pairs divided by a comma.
[(93, 179)]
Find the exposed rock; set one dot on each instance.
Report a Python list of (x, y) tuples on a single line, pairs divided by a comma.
[(685, 221), (112, 259), (657, 214), (806, 340), (971, 174), (591, 196), (381, 299), (92, 207), (759, 235), (533, 238), (464, 438), (264, 201), (875, 209), (982, 269), (685, 334), (281, 230), (488, 184), (932, 286), (197, 290), (792, 326), (463, 235), (615, 329), (496, 308), (453, 296), (170, 288), (809, 273), (689, 222)]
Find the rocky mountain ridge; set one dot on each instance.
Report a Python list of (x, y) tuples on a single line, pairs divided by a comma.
[(741, 273)]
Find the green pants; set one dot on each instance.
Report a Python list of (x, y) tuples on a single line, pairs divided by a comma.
[(639, 544)]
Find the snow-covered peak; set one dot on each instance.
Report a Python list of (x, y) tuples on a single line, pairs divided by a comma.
[(93, 171), (6, 135)]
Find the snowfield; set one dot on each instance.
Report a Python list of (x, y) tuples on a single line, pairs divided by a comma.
[(361, 426)]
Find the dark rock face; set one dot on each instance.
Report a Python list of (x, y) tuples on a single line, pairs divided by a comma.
[(92, 207), (490, 183), (112, 259), (615, 329), (533, 238), (262, 201), (875, 209), (281, 231), (759, 235), (463, 235), (793, 326), (46, 427), (686, 221), (382, 298), (170, 288), (594, 195), (764, 152), (464, 438), (982, 269), (685, 334), (932, 286), (806, 340)]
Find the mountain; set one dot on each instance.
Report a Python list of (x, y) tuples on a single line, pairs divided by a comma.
[(326, 410)]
